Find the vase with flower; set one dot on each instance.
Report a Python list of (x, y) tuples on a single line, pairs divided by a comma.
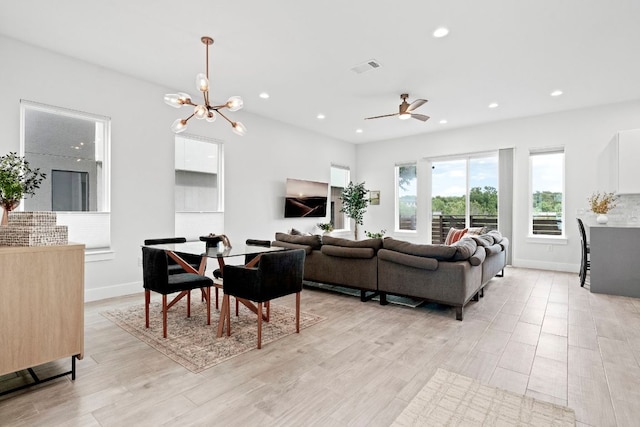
[(601, 204), (17, 179)]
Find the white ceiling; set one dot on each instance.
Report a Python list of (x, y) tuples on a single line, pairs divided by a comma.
[(511, 52)]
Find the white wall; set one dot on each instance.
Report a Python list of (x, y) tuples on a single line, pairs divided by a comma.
[(584, 134), (142, 157)]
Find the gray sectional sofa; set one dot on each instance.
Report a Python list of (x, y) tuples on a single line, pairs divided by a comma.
[(448, 274)]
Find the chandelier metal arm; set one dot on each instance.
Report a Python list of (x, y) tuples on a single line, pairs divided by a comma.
[(223, 116)]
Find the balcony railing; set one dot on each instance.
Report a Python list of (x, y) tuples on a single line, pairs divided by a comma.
[(542, 224)]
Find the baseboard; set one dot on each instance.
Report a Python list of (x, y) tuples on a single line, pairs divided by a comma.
[(545, 265), (112, 291)]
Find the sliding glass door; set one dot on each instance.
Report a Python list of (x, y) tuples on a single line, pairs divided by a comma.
[(464, 193)]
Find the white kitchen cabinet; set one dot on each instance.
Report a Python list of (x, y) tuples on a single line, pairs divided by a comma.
[(620, 163)]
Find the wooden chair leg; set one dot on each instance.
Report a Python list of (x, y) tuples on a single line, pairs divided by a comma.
[(208, 305), (188, 303), (259, 325), (147, 300), (297, 312), (268, 304), (237, 307), (164, 316), (228, 314), (216, 298)]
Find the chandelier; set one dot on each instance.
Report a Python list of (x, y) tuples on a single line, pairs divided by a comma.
[(204, 111)]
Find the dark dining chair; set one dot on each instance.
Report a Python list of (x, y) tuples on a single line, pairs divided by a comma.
[(174, 267), (585, 261), (276, 275), (156, 278)]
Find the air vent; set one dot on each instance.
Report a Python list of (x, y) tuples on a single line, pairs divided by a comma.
[(369, 65)]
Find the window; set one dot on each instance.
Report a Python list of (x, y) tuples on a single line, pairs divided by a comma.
[(464, 194), (407, 196), (340, 177), (198, 177), (73, 149), (546, 214)]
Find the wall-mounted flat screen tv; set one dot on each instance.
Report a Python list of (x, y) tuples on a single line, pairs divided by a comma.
[(305, 198)]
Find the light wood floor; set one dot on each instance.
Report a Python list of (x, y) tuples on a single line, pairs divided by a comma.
[(534, 332)]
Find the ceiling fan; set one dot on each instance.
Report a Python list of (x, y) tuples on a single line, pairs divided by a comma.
[(406, 110)]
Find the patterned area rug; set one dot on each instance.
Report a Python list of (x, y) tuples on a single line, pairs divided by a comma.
[(393, 299), (450, 399), (193, 344)]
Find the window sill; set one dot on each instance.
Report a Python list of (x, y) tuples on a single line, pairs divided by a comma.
[(547, 240), (95, 255)]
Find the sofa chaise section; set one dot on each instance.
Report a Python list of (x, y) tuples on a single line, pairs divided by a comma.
[(450, 275)]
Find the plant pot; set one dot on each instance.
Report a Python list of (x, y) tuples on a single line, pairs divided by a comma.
[(602, 219), (8, 206)]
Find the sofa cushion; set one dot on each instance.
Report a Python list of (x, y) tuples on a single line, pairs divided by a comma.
[(347, 252), (375, 244), (408, 260), (465, 247), (478, 256), (307, 249), (454, 235), (313, 241), (493, 249), (439, 252)]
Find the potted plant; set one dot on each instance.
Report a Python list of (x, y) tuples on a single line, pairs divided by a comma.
[(17, 179), (601, 204), (372, 235), (354, 203), (327, 227)]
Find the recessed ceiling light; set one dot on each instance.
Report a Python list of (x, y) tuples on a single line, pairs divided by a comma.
[(440, 32), (264, 95), (493, 105), (358, 130), (320, 116), (556, 93), (443, 122)]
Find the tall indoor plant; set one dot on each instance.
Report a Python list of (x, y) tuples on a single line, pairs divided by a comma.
[(354, 203), (17, 179)]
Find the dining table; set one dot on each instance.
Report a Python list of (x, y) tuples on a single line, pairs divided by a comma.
[(250, 253)]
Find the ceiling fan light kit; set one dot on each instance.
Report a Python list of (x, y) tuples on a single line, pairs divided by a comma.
[(405, 110), (205, 110)]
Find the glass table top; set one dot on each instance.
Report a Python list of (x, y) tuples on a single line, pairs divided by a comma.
[(200, 248)]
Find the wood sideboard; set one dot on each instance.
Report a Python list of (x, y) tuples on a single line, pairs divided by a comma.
[(41, 305)]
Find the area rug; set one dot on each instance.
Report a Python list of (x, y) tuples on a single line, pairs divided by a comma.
[(193, 344), (450, 399), (393, 299)]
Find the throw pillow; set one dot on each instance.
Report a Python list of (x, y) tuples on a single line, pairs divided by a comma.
[(476, 231), (454, 235)]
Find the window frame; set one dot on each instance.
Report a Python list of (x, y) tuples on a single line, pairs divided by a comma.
[(546, 238), (92, 228), (396, 219), (345, 219)]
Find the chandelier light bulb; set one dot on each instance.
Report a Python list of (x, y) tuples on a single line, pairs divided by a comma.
[(211, 117), (202, 82), (179, 125), (184, 98), (173, 99), (200, 111), (234, 103), (239, 129)]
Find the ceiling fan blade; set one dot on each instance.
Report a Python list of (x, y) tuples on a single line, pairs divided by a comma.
[(378, 117), (415, 104), (421, 117)]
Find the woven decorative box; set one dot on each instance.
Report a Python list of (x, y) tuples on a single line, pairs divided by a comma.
[(33, 236), (32, 219), (33, 229)]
